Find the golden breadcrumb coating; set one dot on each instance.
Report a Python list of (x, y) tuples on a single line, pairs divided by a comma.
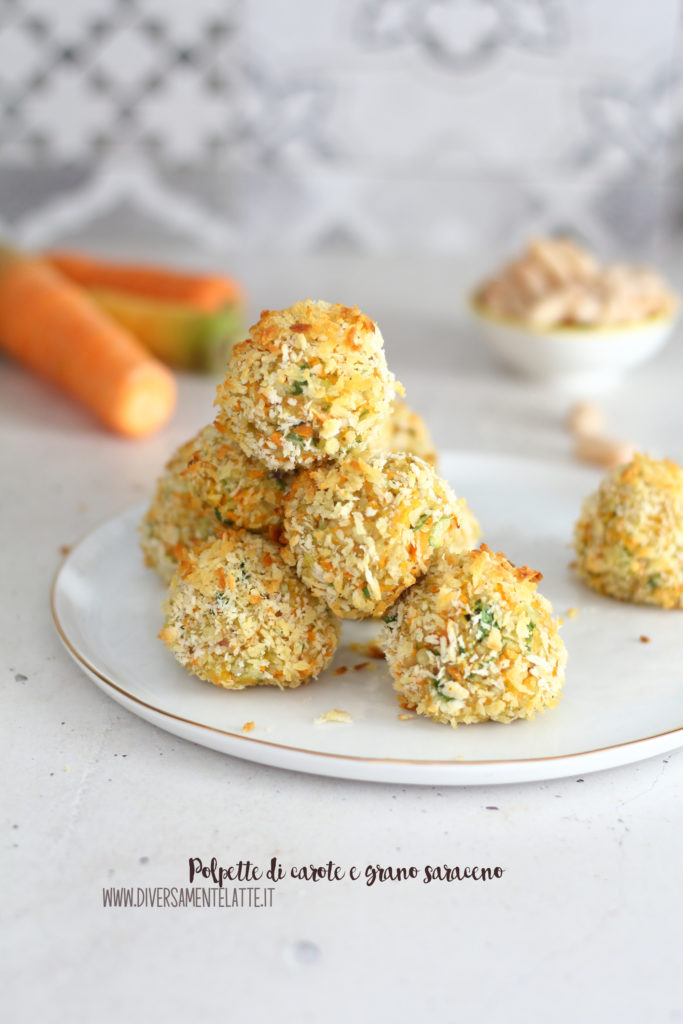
[(474, 641), (176, 518), (406, 431), (208, 485), (237, 616), (361, 530), (241, 491), (629, 537), (310, 383)]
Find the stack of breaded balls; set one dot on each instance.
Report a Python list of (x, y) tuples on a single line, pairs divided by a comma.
[(313, 497)]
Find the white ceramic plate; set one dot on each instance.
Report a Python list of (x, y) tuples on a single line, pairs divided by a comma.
[(622, 701)]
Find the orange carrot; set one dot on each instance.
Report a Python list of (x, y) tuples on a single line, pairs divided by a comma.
[(51, 327), (208, 292)]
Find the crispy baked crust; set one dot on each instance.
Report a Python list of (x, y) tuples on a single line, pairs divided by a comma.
[(629, 536), (176, 518), (310, 383), (474, 641), (362, 530), (237, 616), (209, 485)]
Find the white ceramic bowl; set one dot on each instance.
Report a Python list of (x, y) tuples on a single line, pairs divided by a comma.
[(574, 361)]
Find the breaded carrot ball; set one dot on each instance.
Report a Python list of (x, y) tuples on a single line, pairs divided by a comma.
[(309, 383), (629, 537), (474, 641), (176, 518), (361, 530), (406, 431), (208, 485), (237, 616), (241, 491)]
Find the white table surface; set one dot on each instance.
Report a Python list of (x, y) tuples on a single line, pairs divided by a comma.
[(585, 924)]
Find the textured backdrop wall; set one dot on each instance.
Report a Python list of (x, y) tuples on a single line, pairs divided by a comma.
[(383, 125)]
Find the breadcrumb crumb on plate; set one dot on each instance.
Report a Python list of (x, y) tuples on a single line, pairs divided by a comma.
[(371, 650), (335, 715)]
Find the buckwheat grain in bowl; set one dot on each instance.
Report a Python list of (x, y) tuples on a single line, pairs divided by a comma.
[(629, 536), (309, 383), (558, 317), (406, 431), (176, 518), (361, 530), (474, 641), (237, 616), (556, 282)]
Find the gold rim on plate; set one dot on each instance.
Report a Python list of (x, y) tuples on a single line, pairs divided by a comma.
[(81, 660)]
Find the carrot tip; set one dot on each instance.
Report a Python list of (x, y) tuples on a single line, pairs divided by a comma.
[(147, 402)]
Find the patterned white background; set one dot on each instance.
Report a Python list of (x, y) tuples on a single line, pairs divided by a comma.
[(382, 125)]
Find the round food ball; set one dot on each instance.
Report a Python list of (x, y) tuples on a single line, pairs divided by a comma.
[(176, 518), (473, 641), (237, 616), (207, 486), (309, 383), (362, 530), (629, 537), (406, 431), (240, 491)]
